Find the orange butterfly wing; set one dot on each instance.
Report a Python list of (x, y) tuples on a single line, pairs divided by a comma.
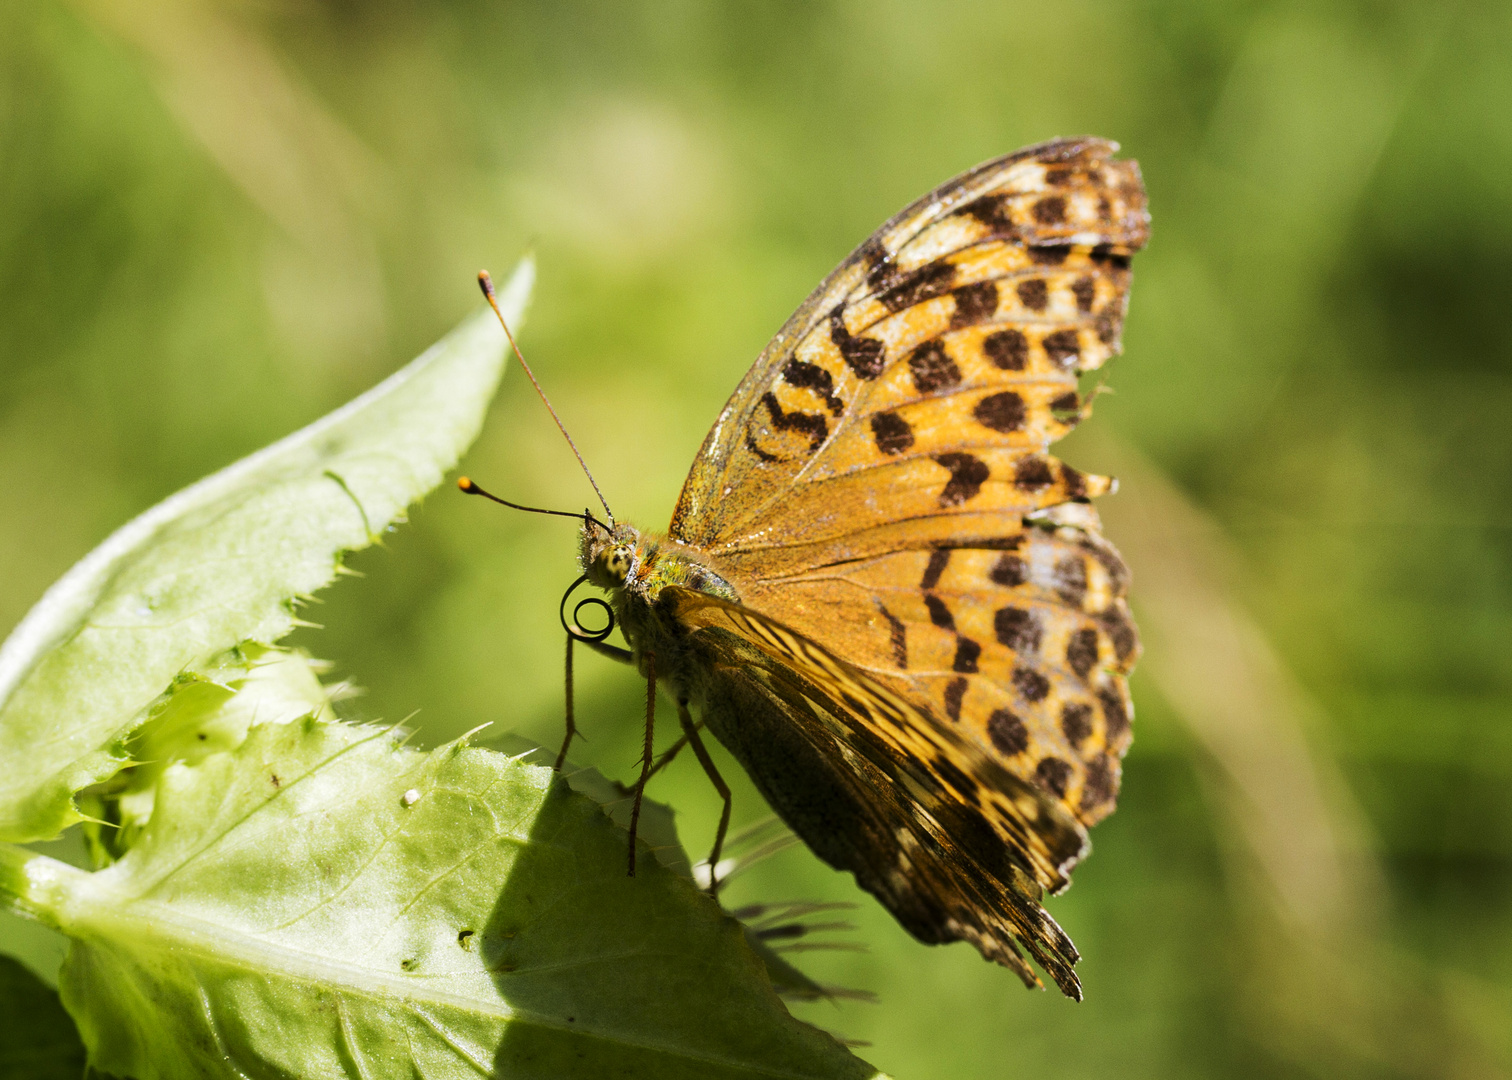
[(991, 292), (1020, 641), (955, 846), (879, 485)]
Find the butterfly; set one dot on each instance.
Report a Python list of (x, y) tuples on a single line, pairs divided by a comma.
[(879, 591)]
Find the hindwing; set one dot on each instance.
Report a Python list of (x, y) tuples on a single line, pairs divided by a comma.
[(1021, 643), (957, 847)]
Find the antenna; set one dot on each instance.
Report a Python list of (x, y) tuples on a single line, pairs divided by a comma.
[(470, 488), (486, 284)]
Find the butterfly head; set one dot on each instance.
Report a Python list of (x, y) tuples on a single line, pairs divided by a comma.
[(610, 553)]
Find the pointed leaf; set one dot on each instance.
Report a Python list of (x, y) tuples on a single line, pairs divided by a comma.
[(219, 563)]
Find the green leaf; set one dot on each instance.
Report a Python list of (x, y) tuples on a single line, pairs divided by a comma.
[(201, 714), (220, 563), (40, 1042), (322, 900)]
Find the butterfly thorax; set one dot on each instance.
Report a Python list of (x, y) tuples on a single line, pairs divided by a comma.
[(635, 567)]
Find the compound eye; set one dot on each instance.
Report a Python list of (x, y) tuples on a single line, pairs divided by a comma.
[(618, 563)]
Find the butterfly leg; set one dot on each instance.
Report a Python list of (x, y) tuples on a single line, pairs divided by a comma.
[(571, 723), (622, 656), (640, 788), (690, 733), (668, 754)]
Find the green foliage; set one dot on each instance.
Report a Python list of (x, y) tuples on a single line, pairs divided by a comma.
[(322, 898), (222, 562)]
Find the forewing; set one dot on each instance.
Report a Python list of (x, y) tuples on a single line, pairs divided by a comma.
[(914, 394), (881, 480), (957, 847)]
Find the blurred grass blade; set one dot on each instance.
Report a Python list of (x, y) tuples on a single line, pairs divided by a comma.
[(322, 900), (221, 562)]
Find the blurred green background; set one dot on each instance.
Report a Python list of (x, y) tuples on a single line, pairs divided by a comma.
[(220, 220)]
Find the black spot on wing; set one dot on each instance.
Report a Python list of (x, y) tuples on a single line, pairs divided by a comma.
[(1075, 481), (1007, 732), (954, 691), (932, 368), (967, 654), (815, 378), (811, 424), (1081, 651), (967, 475), (864, 356), (1120, 631), (1076, 722), (1118, 573), (1063, 347), (1070, 577), (1106, 255), (1085, 291), (892, 433), (1100, 785), (1007, 349), (1002, 412), (899, 634), (1032, 474), (873, 254), (1115, 713), (1050, 210), (938, 559), (1034, 294), (1051, 774), (1008, 571), (939, 614), (925, 283), (974, 303), (1018, 629), (992, 211), (1030, 683), (1049, 254)]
